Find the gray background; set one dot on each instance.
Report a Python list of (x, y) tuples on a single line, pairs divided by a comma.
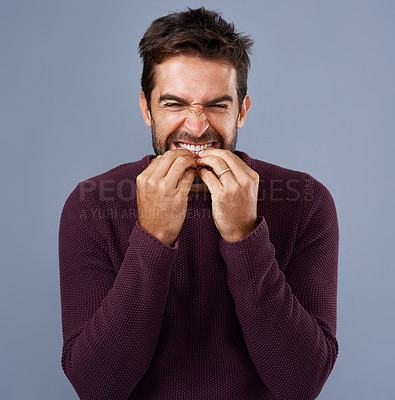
[(322, 86)]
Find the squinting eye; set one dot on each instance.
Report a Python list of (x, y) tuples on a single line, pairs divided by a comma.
[(218, 106), (173, 105)]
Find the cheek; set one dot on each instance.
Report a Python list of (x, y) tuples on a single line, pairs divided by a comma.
[(165, 124), (224, 124), (170, 122)]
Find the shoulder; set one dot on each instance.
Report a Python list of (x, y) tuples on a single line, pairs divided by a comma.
[(107, 187), (274, 176), (292, 196), (270, 171), (121, 172)]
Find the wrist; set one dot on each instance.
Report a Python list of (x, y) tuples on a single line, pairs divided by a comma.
[(161, 235), (235, 236)]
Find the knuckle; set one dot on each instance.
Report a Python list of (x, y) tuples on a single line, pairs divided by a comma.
[(151, 181), (140, 179), (161, 184), (244, 182), (179, 161)]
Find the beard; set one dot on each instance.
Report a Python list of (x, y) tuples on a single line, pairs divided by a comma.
[(183, 136)]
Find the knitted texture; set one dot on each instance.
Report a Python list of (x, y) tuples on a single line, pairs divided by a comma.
[(205, 319)]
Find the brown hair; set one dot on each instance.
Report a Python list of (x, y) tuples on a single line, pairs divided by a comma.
[(197, 32)]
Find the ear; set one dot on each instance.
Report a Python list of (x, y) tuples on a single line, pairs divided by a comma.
[(245, 106), (145, 109)]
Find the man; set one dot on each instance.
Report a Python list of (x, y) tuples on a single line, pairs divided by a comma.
[(216, 277)]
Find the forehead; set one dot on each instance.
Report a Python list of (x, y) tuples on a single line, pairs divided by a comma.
[(194, 78)]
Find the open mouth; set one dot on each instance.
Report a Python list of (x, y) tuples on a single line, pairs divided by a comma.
[(194, 147)]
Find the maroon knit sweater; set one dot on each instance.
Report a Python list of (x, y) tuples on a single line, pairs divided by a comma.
[(205, 319)]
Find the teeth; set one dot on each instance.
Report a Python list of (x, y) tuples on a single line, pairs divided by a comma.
[(195, 148)]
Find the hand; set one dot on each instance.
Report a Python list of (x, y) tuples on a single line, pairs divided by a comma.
[(234, 195), (162, 193)]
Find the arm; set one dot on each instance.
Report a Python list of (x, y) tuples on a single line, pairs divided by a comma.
[(289, 319), (110, 322)]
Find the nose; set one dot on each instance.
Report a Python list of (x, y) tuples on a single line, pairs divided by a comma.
[(196, 122)]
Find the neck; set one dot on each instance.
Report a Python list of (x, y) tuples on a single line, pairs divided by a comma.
[(199, 188)]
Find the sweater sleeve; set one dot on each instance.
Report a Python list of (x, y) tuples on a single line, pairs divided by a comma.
[(288, 318), (111, 321)]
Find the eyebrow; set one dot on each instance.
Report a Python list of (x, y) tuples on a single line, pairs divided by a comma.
[(171, 97)]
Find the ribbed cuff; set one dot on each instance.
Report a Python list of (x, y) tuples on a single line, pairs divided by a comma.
[(251, 255), (150, 249)]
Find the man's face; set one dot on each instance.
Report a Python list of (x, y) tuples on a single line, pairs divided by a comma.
[(194, 103)]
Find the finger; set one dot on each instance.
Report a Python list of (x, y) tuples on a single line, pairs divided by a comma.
[(178, 169), (218, 165), (160, 165), (211, 180), (235, 163), (186, 180)]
